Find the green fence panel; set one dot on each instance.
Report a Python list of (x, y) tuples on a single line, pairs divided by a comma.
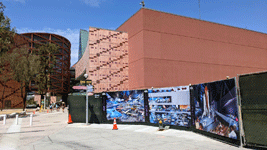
[(77, 108), (253, 92)]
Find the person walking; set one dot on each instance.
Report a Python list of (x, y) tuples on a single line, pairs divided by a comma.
[(51, 107), (57, 107), (63, 106)]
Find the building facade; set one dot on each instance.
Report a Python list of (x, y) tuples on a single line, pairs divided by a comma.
[(60, 78), (10, 92), (105, 60), (83, 39), (171, 50)]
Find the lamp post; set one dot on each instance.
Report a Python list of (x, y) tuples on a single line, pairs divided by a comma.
[(86, 76)]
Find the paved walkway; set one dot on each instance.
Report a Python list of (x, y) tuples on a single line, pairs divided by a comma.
[(51, 131), (14, 136)]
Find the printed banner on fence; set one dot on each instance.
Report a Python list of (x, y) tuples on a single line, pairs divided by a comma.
[(216, 108), (171, 105), (125, 106)]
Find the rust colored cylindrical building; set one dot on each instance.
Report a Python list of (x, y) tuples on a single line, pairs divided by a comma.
[(10, 92), (60, 79)]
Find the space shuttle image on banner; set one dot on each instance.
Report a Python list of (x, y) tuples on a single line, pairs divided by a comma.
[(215, 108), (171, 105), (125, 106)]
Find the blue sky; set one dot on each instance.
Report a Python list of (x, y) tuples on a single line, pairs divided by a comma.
[(67, 17)]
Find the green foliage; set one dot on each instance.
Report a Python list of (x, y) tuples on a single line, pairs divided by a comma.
[(6, 42), (31, 101), (24, 65), (6, 32), (47, 59)]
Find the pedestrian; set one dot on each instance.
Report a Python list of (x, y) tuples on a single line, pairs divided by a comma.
[(63, 106), (57, 107), (51, 107)]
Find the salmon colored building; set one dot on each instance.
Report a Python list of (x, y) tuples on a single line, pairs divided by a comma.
[(105, 60), (171, 50)]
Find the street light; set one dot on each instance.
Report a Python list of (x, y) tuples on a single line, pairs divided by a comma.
[(86, 76)]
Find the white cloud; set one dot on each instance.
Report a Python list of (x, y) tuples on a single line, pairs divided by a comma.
[(71, 34), (94, 3)]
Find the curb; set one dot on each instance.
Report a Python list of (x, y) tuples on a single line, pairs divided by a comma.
[(13, 115)]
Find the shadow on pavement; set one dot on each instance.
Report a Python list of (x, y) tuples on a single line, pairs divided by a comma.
[(23, 132)]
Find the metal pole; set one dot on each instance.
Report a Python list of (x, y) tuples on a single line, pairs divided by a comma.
[(44, 100), (31, 120), (17, 117), (4, 121), (86, 107), (240, 120)]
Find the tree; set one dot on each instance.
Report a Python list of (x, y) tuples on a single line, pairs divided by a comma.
[(24, 65), (5, 77), (6, 43), (7, 33), (47, 62)]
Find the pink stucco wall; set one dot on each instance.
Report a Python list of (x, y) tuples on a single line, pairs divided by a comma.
[(171, 50), (105, 60)]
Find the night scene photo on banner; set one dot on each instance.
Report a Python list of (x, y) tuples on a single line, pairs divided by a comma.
[(216, 108), (126, 106)]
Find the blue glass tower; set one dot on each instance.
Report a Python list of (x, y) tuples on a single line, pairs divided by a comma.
[(82, 42)]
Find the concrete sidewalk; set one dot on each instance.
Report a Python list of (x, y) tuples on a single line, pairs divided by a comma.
[(101, 136), (14, 136), (51, 131)]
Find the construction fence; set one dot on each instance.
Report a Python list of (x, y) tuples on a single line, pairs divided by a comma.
[(226, 109)]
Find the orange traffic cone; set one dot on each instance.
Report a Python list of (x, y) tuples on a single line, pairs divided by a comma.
[(33, 112), (115, 125), (70, 121), (47, 111)]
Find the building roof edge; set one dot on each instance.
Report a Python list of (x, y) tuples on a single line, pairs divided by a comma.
[(202, 20), (130, 18)]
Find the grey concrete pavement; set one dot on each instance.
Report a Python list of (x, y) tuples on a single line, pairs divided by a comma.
[(14, 136), (51, 131)]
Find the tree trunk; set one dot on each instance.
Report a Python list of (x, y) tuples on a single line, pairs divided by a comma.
[(21, 93), (3, 98), (25, 97)]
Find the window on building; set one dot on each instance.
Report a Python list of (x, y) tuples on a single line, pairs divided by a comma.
[(7, 103)]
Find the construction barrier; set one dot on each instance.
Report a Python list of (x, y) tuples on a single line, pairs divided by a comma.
[(126, 106), (213, 109), (77, 108), (253, 99)]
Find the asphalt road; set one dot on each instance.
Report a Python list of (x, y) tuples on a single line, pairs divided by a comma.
[(51, 131)]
